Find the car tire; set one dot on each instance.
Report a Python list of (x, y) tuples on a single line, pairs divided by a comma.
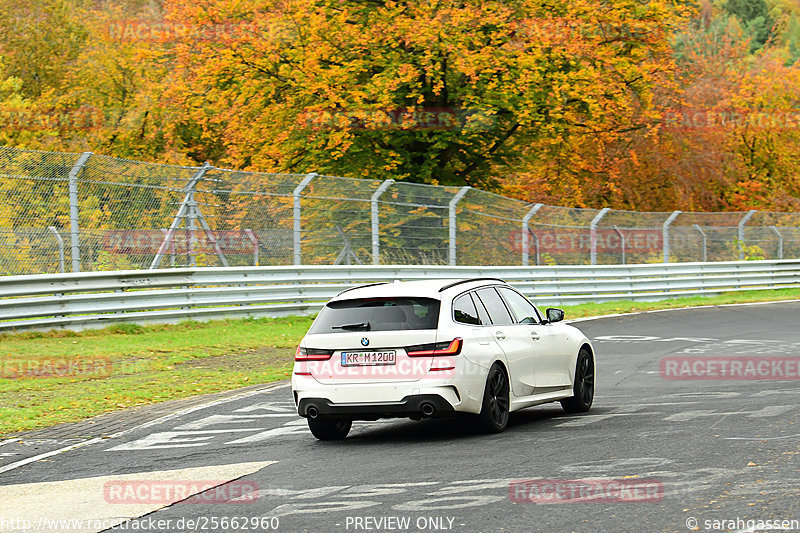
[(325, 428), (583, 386), (494, 409)]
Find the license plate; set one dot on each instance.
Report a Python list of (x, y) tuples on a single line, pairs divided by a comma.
[(368, 358)]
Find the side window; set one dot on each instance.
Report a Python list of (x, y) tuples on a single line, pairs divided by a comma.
[(464, 310), (482, 313), (497, 309), (524, 310)]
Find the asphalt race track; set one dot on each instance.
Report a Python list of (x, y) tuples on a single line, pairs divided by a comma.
[(654, 453)]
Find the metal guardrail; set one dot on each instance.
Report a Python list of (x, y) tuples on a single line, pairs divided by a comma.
[(98, 299)]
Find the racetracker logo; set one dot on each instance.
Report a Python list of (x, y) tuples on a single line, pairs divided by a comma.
[(95, 367), (185, 491), (585, 490), (165, 31), (738, 368), (439, 367), (393, 119)]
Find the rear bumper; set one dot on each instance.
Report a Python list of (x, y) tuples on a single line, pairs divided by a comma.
[(414, 405)]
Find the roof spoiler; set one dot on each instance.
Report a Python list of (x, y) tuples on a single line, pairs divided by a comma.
[(362, 286), (469, 280)]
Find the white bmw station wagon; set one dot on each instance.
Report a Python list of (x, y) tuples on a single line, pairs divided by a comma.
[(423, 349)]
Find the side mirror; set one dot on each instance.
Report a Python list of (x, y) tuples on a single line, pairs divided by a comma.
[(554, 315)]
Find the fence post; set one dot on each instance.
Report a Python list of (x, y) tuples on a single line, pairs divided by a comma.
[(705, 242), (665, 234), (254, 241), (452, 219), (593, 233), (780, 241), (376, 239), (525, 228), (60, 242), (741, 232), (621, 241), (296, 235), (74, 226)]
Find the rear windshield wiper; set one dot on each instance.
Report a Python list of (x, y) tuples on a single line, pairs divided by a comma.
[(360, 325)]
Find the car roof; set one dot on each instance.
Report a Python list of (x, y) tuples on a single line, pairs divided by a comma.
[(435, 288)]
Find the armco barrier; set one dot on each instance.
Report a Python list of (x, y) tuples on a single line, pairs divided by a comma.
[(97, 299)]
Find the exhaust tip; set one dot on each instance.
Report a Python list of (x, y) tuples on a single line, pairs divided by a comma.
[(312, 412), (427, 409)]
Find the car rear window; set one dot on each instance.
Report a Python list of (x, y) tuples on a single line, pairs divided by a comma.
[(377, 314)]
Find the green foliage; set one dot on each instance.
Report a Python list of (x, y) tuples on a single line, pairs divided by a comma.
[(755, 16), (754, 253), (39, 39), (107, 261), (793, 38)]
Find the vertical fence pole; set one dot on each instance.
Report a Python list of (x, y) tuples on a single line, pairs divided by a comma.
[(525, 228), (741, 232), (60, 242), (254, 241), (705, 242), (74, 226), (452, 220), (593, 233), (296, 232), (780, 241), (621, 242), (375, 221), (665, 234)]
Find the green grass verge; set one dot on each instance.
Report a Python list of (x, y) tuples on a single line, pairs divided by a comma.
[(62, 376)]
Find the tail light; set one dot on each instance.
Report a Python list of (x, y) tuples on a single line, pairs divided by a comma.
[(434, 349), (312, 354)]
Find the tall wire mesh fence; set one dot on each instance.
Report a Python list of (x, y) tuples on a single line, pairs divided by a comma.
[(83, 212)]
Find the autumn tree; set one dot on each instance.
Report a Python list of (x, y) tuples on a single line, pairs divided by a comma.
[(450, 93), (621, 104)]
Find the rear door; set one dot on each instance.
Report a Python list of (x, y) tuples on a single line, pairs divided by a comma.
[(480, 345), (514, 339)]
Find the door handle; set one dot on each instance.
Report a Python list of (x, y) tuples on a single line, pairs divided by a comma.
[(535, 336), (500, 335)]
